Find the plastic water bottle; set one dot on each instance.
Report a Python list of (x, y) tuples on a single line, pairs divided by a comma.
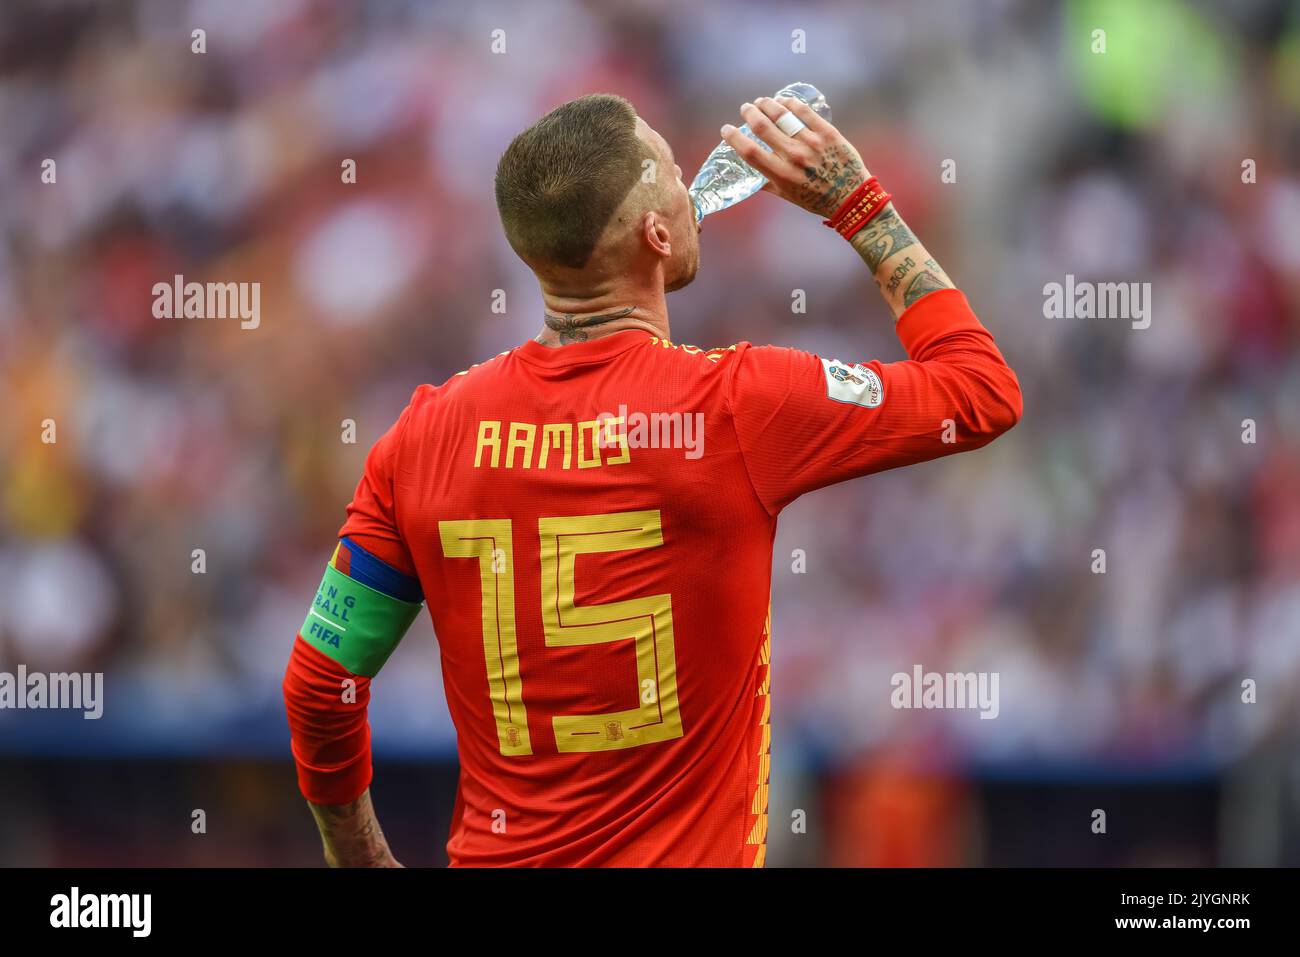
[(725, 179)]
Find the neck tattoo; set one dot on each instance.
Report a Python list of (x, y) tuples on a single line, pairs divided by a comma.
[(573, 328)]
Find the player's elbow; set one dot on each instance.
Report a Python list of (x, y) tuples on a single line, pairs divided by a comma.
[(998, 405), (299, 704), (320, 695), (1011, 402)]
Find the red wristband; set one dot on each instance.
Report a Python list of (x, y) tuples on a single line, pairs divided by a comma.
[(862, 206)]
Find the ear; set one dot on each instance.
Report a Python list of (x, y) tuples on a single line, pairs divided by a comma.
[(656, 234)]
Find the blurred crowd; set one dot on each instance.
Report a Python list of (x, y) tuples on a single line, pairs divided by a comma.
[(1169, 158)]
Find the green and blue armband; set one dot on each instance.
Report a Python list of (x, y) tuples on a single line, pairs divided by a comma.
[(361, 611)]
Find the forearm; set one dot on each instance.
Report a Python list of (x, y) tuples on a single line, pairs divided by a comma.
[(817, 169), (903, 269), (362, 608), (332, 753), (351, 834), (331, 749)]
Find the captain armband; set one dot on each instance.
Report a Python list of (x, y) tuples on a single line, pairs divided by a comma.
[(361, 611)]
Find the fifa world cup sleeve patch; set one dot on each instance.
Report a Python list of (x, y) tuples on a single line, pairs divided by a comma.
[(361, 611), (854, 384)]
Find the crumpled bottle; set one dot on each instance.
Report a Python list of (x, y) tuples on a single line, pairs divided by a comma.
[(725, 179)]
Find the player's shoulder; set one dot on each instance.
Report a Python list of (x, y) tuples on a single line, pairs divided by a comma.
[(496, 366), (754, 362), (490, 373), (427, 395), (743, 353)]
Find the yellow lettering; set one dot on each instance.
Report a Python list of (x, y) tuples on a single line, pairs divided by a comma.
[(516, 430), (606, 433), (489, 437), (551, 435), (583, 461), (617, 438)]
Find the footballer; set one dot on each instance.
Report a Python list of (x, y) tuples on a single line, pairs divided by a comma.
[(602, 604)]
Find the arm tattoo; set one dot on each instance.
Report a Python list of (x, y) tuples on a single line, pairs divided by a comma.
[(351, 834), (829, 183), (573, 328), (891, 249), (882, 237), (924, 282), (901, 270)]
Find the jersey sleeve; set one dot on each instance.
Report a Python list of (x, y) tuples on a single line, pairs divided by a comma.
[(805, 422), (372, 513), (365, 603)]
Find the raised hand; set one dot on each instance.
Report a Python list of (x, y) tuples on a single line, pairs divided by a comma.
[(816, 168)]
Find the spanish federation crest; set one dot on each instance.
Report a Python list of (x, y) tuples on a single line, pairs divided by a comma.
[(855, 384)]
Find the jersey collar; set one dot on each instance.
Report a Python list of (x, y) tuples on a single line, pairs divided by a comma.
[(593, 350)]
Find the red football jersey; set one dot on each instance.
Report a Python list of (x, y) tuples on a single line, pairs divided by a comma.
[(592, 529)]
